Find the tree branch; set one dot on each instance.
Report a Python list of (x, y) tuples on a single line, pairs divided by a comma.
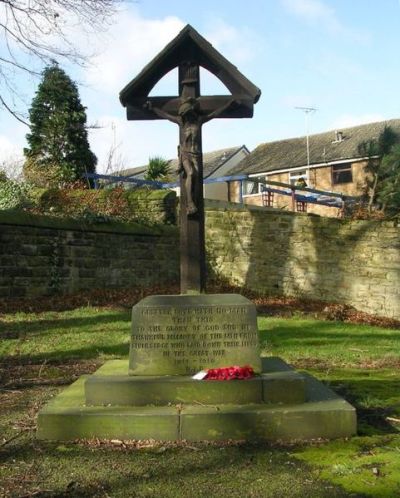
[(38, 29), (11, 111)]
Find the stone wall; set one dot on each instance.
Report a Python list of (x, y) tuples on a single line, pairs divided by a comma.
[(43, 256), (280, 253)]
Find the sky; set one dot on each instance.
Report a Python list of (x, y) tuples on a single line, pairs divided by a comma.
[(340, 57)]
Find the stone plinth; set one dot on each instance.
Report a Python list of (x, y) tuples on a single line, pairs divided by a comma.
[(180, 335), (310, 411)]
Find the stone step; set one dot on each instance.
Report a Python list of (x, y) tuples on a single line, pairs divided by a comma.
[(125, 390), (323, 415)]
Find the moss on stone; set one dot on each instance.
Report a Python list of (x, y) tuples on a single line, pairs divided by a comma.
[(16, 217)]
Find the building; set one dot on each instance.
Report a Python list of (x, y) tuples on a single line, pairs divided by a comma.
[(216, 164), (335, 165)]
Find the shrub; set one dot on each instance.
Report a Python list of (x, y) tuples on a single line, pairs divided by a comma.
[(53, 176), (139, 205), (13, 194)]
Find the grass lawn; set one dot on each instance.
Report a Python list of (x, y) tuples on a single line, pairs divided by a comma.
[(40, 353)]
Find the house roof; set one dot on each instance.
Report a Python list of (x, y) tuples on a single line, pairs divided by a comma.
[(137, 171), (211, 162), (324, 148)]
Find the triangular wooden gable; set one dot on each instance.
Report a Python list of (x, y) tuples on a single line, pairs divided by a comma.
[(188, 45)]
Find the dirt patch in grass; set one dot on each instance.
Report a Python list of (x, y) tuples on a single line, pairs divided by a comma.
[(16, 374), (113, 298)]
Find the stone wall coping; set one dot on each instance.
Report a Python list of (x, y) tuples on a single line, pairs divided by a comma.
[(215, 205), (21, 218)]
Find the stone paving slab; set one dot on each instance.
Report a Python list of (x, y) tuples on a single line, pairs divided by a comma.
[(67, 418), (325, 415)]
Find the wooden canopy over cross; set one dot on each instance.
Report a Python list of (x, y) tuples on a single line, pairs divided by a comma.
[(188, 52)]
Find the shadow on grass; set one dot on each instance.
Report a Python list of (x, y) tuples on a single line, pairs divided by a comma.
[(373, 400), (327, 332), (24, 328), (56, 357)]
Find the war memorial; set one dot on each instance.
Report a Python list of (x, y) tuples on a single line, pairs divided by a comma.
[(153, 395)]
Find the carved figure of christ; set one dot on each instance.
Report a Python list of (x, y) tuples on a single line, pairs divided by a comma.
[(190, 120)]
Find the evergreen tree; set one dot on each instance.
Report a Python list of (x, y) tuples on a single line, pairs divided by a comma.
[(389, 192), (58, 149), (375, 151)]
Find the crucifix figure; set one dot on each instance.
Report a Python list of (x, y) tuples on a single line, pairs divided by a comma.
[(190, 110), (190, 119)]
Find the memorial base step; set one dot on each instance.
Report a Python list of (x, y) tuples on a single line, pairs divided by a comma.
[(108, 386), (323, 414)]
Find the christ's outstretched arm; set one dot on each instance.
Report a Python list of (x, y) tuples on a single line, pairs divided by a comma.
[(161, 113), (218, 111)]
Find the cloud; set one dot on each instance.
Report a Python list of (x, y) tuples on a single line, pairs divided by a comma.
[(10, 149), (130, 44), (240, 45), (317, 13), (6, 146), (348, 120), (312, 10), (134, 40), (11, 157)]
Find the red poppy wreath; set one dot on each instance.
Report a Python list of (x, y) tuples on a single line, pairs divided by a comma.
[(229, 373)]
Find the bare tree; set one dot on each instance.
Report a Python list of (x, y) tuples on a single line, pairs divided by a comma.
[(35, 32), (11, 167), (114, 161)]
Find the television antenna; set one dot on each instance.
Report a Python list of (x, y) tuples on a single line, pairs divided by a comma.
[(307, 111)]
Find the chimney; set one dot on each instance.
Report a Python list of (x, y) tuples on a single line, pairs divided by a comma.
[(338, 136)]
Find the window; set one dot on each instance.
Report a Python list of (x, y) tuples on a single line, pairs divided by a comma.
[(252, 188), (341, 173)]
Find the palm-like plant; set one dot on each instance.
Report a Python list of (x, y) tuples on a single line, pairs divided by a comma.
[(158, 169)]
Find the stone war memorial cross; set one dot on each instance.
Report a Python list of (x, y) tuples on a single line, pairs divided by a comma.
[(154, 394), (188, 52)]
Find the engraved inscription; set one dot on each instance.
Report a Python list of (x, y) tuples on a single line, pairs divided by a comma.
[(190, 338)]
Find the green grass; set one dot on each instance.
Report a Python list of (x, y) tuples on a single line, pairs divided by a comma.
[(40, 351), (333, 343), (81, 334)]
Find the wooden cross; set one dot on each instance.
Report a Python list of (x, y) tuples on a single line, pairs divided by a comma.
[(188, 51)]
